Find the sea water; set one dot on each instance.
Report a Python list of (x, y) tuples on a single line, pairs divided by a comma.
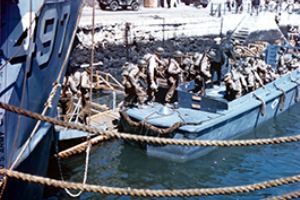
[(118, 164)]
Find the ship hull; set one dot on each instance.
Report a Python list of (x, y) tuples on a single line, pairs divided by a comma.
[(35, 38), (32, 165)]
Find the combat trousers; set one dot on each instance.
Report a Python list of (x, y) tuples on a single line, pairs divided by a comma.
[(172, 82)]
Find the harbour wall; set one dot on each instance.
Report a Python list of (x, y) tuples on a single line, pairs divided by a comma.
[(116, 43)]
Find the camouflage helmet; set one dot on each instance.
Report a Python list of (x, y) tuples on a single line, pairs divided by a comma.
[(178, 54), (159, 50)]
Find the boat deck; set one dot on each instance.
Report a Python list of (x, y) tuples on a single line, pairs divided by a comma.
[(105, 120)]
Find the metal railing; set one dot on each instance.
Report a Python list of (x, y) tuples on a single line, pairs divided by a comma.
[(219, 9)]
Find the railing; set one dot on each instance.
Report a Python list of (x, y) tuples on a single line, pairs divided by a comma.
[(219, 9)]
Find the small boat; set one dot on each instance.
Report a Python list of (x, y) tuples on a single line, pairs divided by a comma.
[(209, 117)]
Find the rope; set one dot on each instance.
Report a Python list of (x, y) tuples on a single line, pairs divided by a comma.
[(81, 147), (291, 195), (150, 192), (88, 149), (153, 140)]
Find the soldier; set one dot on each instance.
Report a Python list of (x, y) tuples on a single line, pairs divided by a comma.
[(130, 97), (249, 78), (66, 100), (201, 67), (233, 87), (173, 75), (216, 62), (154, 68), (186, 66), (270, 74), (131, 81), (199, 85), (281, 66), (86, 85), (74, 82)]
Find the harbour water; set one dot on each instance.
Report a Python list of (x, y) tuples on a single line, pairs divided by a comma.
[(118, 164)]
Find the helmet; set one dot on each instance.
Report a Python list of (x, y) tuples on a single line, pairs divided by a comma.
[(88, 70), (178, 54), (211, 54), (236, 42), (159, 50), (125, 73), (141, 62), (287, 58), (246, 70)]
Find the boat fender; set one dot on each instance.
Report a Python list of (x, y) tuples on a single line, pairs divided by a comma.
[(263, 109), (282, 98)]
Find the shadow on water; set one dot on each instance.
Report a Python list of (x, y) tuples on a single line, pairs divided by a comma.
[(118, 164)]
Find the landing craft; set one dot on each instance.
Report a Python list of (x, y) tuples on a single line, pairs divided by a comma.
[(210, 116), (35, 39)]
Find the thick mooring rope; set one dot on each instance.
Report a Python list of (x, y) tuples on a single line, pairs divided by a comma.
[(150, 192), (81, 147), (149, 139), (291, 195)]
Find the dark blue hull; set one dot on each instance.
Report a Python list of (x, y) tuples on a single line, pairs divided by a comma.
[(31, 165), (30, 64)]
